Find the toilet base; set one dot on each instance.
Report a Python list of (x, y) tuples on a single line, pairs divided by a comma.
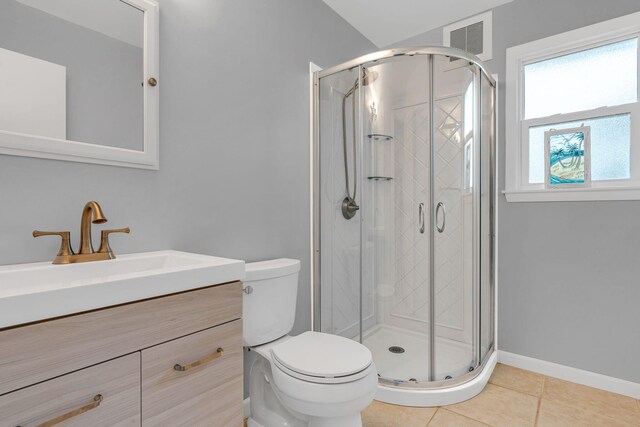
[(350, 421), (267, 409)]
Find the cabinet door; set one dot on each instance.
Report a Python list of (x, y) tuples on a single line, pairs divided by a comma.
[(106, 395), (195, 380)]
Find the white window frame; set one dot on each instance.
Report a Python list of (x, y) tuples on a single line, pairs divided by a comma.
[(518, 188)]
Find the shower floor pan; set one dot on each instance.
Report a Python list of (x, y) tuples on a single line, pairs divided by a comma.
[(413, 365)]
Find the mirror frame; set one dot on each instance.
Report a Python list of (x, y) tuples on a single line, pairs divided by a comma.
[(19, 144)]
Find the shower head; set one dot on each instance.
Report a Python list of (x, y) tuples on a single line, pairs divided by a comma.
[(368, 77)]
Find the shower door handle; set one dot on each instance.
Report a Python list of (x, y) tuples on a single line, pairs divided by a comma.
[(421, 218), (440, 207)]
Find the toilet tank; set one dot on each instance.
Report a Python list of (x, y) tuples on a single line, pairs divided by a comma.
[(269, 300)]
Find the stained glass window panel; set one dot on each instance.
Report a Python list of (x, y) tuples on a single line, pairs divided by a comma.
[(568, 157), (610, 147), (602, 76)]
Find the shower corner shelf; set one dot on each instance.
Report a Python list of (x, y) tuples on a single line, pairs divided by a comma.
[(379, 178), (379, 137)]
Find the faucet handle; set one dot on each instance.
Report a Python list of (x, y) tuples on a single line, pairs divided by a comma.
[(65, 250), (104, 241)]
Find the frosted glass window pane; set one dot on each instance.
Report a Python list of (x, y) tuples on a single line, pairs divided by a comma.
[(610, 147), (598, 77), (468, 111)]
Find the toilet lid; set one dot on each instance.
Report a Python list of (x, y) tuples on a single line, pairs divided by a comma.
[(317, 354)]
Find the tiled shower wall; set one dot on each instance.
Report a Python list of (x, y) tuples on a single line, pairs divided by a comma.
[(411, 187), (452, 261), (409, 305)]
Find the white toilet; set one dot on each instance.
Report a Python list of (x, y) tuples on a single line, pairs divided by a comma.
[(313, 379)]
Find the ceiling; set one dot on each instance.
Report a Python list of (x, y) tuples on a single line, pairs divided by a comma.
[(112, 18), (385, 22)]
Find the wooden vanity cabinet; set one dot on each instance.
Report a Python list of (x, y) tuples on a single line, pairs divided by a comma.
[(172, 360)]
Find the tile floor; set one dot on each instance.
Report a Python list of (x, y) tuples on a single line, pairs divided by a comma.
[(514, 398)]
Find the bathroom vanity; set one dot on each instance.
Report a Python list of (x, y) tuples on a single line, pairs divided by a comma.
[(169, 359)]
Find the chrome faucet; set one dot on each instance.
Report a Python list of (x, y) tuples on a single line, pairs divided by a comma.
[(91, 214)]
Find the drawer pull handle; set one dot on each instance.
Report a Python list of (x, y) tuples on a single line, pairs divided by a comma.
[(209, 358), (97, 399)]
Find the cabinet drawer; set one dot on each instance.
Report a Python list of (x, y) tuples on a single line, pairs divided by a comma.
[(38, 352), (107, 394), (207, 394)]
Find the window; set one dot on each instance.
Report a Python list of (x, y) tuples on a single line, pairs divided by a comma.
[(588, 79), (467, 132)]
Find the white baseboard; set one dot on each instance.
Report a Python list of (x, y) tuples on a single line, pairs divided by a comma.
[(579, 376), (246, 409)]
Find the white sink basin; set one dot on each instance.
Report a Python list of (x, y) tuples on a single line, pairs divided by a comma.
[(32, 292)]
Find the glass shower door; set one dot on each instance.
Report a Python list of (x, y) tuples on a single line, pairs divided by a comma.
[(486, 291), (452, 219), (340, 234), (397, 145)]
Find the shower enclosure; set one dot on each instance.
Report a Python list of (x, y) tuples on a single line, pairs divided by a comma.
[(404, 218)]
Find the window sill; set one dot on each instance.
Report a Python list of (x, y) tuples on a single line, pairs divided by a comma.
[(573, 194)]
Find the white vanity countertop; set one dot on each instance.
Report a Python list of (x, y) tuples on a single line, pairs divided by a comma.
[(38, 291)]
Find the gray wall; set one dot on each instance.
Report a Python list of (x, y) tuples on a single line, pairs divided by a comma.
[(577, 307), (104, 75), (234, 143)]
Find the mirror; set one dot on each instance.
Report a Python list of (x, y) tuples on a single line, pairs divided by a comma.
[(78, 80)]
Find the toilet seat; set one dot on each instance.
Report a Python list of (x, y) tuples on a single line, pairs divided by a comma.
[(322, 358)]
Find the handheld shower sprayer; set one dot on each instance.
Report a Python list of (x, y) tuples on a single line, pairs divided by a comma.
[(349, 205)]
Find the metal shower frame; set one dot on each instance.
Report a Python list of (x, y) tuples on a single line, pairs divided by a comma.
[(368, 60)]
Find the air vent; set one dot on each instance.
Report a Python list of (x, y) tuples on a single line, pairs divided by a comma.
[(468, 38), (472, 35)]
